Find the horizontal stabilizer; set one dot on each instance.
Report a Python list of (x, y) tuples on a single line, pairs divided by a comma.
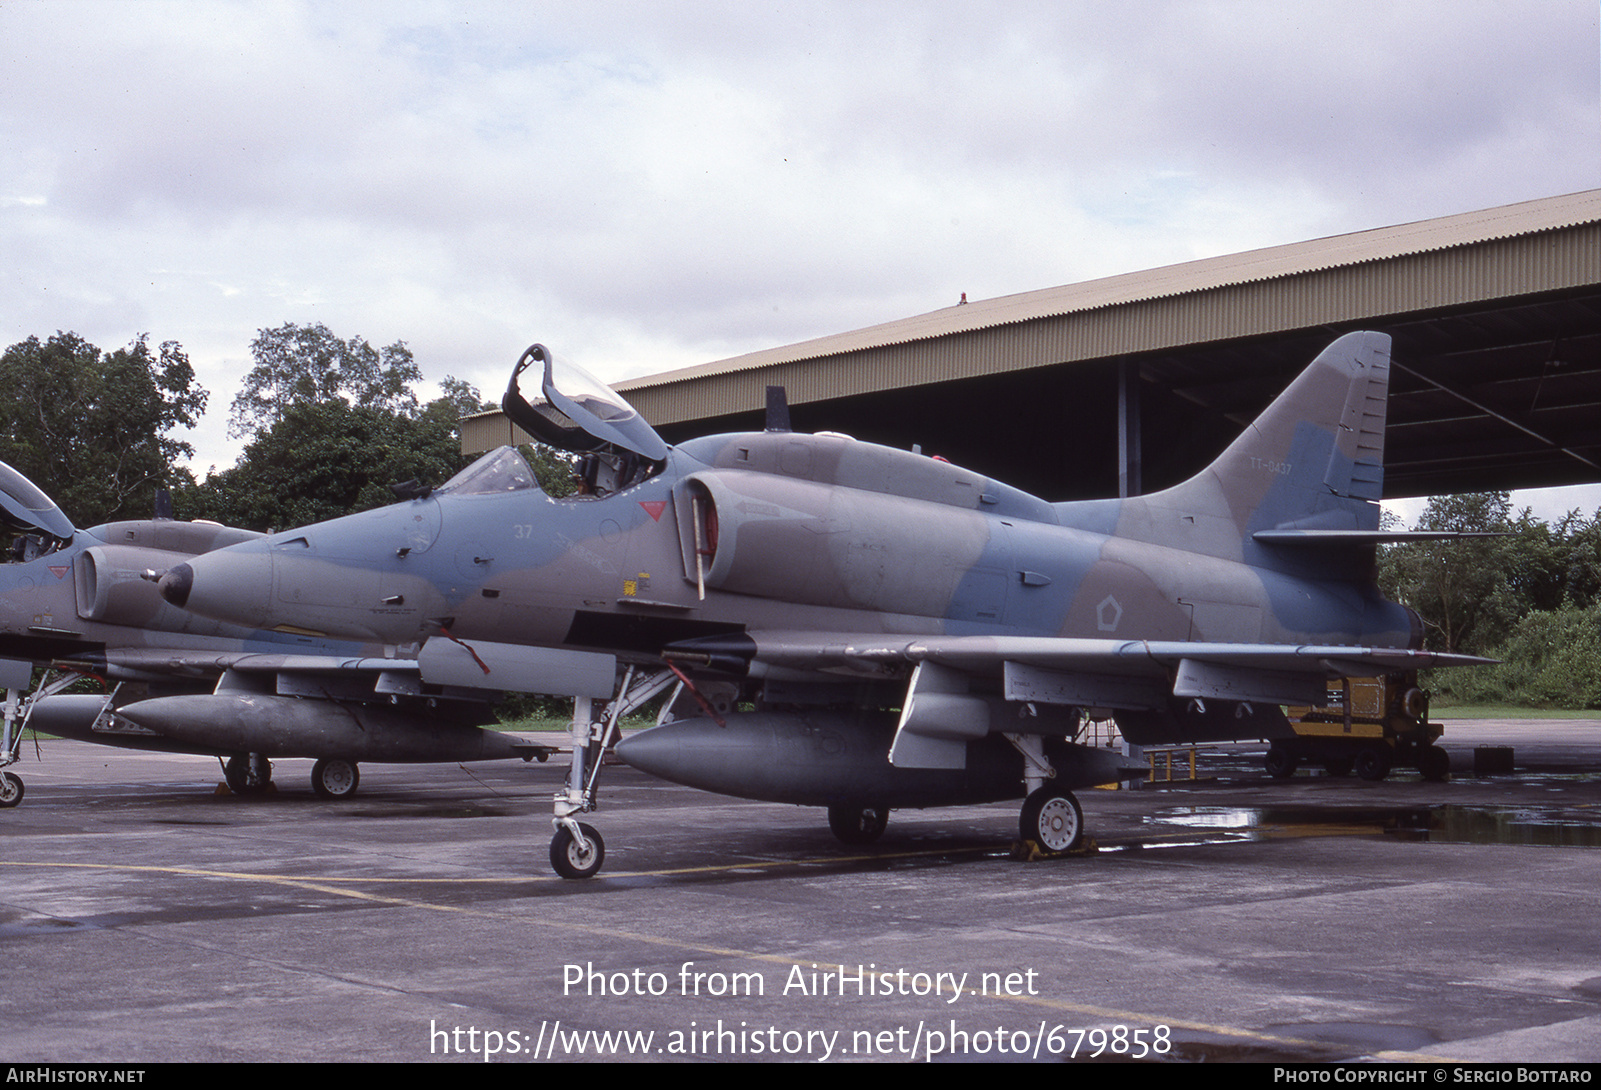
[(1362, 537)]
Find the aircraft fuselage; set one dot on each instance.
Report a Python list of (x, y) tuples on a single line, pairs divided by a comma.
[(778, 532)]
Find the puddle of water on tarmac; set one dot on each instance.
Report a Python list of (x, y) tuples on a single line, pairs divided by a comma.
[(1554, 826)]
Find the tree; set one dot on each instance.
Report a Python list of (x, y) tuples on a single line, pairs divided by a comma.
[(461, 398), (552, 468), (1551, 658), (1452, 584), (324, 460), (1528, 597), (322, 455), (310, 365), (91, 428)]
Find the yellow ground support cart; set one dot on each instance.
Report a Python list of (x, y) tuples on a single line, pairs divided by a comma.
[(1369, 725)]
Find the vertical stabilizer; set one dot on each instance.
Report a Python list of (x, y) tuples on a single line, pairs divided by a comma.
[(1313, 459), (1322, 437)]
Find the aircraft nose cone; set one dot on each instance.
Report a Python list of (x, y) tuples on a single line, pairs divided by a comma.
[(225, 586), (176, 584)]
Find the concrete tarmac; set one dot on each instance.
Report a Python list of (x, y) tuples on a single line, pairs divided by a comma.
[(146, 916)]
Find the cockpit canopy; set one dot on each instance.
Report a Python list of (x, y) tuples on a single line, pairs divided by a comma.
[(25, 509), (501, 470), (581, 414)]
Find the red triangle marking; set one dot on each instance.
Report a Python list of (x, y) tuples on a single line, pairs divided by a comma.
[(654, 508)]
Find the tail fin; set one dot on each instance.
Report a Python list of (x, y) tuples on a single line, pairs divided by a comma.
[(1313, 460)]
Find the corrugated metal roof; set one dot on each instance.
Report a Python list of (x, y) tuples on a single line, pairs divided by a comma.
[(1337, 251)]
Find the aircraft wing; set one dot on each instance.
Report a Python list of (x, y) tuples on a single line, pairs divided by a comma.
[(148, 663), (963, 687), (1139, 673), (1272, 673)]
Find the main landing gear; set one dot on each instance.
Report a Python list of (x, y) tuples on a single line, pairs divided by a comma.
[(334, 778), (248, 774), (577, 850), (858, 824), (1051, 821)]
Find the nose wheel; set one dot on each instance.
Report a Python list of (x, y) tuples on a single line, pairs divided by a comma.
[(10, 790), (577, 855), (577, 851)]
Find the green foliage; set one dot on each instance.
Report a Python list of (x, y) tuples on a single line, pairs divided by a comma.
[(1531, 597), (346, 429), (310, 365), (90, 427), (461, 398), (1471, 593), (334, 424), (1552, 659), (553, 469), (1459, 588), (517, 708), (322, 461)]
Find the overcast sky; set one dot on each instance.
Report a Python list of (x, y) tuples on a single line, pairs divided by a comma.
[(647, 185)]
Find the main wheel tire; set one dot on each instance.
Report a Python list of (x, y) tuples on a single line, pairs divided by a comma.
[(570, 860), (1373, 763), (334, 778), (247, 777), (1435, 764), (11, 790), (1052, 819), (858, 824), (1280, 762)]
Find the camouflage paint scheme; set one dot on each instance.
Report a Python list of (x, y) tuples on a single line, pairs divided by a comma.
[(941, 610), (79, 599)]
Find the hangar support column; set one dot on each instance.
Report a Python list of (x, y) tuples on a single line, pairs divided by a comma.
[(1128, 428)]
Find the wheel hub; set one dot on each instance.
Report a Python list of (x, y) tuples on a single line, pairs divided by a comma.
[(1057, 825)]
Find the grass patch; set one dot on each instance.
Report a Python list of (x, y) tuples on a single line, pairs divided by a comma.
[(533, 723), (1440, 710), (561, 724)]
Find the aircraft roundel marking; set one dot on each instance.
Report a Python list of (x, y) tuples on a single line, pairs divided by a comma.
[(1108, 614), (654, 508)]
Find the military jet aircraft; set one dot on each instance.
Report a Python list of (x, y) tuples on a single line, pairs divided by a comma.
[(78, 600), (862, 628)]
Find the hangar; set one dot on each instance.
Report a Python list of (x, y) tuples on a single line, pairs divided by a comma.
[(1130, 383)]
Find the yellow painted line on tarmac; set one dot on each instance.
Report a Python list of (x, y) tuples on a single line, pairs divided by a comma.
[(202, 872), (1161, 839), (341, 887)]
